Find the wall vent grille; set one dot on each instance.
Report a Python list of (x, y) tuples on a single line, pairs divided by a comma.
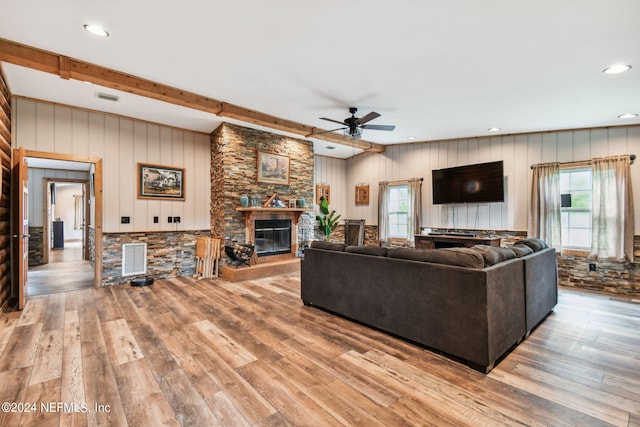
[(134, 259), (107, 96)]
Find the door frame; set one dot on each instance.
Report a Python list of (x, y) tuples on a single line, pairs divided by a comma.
[(96, 184), (46, 215)]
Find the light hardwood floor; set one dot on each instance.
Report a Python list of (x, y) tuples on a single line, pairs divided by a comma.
[(66, 271), (209, 352)]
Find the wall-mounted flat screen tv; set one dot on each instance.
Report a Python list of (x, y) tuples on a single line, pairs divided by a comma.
[(479, 183)]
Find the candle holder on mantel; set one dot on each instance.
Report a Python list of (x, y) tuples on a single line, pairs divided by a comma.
[(256, 201)]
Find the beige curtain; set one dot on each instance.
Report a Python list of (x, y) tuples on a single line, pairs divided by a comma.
[(544, 214), (383, 209), (415, 207), (78, 212), (612, 223)]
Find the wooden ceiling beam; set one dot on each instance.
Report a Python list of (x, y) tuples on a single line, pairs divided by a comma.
[(70, 68)]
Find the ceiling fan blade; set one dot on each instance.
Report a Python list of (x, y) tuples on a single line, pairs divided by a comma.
[(331, 120), (378, 127), (372, 115)]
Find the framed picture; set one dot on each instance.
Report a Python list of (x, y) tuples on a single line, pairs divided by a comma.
[(273, 168), (362, 194), (160, 182), (323, 191)]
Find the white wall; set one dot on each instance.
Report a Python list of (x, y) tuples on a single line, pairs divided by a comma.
[(122, 143), (65, 209), (519, 152), (333, 172), (37, 189)]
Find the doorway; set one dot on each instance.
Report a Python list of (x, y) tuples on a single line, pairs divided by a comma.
[(65, 245), (24, 217)]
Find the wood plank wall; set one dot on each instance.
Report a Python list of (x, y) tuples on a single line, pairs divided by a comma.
[(122, 143), (332, 171), (519, 152), (37, 189), (5, 166)]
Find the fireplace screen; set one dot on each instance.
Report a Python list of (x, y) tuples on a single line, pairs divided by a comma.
[(272, 237)]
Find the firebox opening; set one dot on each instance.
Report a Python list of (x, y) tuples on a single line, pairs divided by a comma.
[(272, 237)]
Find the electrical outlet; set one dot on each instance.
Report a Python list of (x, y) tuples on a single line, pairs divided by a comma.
[(125, 220), (170, 219), (176, 219), (592, 267), (156, 219)]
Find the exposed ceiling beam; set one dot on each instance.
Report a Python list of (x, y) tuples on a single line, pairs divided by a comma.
[(70, 68)]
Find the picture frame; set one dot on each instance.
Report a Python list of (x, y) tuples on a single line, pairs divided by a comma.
[(161, 182), (272, 168), (323, 191), (362, 194)]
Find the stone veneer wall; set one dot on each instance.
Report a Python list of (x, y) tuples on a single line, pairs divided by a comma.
[(36, 246), (92, 245), (233, 173), (169, 254)]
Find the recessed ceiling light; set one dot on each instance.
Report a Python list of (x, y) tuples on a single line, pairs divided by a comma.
[(617, 69), (330, 147), (494, 129), (627, 116), (411, 138), (96, 30)]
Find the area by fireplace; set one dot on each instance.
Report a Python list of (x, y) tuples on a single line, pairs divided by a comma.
[(272, 237)]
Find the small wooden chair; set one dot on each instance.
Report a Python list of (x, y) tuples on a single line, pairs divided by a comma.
[(207, 257)]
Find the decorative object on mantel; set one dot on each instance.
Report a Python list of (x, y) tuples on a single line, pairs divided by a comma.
[(272, 168), (328, 220), (362, 194), (274, 202), (302, 203), (323, 192), (244, 200), (256, 201)]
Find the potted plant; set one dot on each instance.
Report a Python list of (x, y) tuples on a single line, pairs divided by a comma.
[(328, 220)]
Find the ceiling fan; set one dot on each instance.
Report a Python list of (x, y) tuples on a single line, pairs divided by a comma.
[(353, 125)]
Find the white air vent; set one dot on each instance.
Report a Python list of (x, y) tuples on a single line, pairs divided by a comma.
[(107, 97), (134, 259)]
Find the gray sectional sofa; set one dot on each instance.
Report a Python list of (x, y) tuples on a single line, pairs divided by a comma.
[(474, 304)]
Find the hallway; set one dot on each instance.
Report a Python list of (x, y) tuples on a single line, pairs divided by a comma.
[(65, 272)]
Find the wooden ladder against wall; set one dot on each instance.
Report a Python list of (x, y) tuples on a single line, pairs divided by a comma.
[(207, 257)]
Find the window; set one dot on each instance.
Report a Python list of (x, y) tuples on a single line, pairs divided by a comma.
[(575, 214), (399, 211)]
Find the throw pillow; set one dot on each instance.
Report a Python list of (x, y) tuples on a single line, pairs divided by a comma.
[(493, 254), (534, 243), (521, 250)]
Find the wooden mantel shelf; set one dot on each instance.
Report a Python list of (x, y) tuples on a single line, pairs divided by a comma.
[(252, 212), (259, 209)]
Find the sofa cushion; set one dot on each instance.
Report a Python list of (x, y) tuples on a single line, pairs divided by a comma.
[(534, 243), (521, 250), (493, 254), (463, 257), (367, 250), (319, 244)]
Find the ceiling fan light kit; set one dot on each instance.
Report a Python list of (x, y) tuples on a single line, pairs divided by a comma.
[(353, 126)]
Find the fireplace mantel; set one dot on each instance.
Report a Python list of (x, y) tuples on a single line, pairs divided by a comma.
[(258, 213), (252, 213)]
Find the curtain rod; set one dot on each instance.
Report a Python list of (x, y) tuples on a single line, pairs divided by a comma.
[(587, 162), (402, 181)]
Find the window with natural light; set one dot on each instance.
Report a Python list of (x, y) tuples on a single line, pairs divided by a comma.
[(399, 211), (575, 187)]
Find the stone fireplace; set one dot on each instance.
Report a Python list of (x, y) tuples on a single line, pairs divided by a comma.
[(272, 237), (273, 231), (233, 173)]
